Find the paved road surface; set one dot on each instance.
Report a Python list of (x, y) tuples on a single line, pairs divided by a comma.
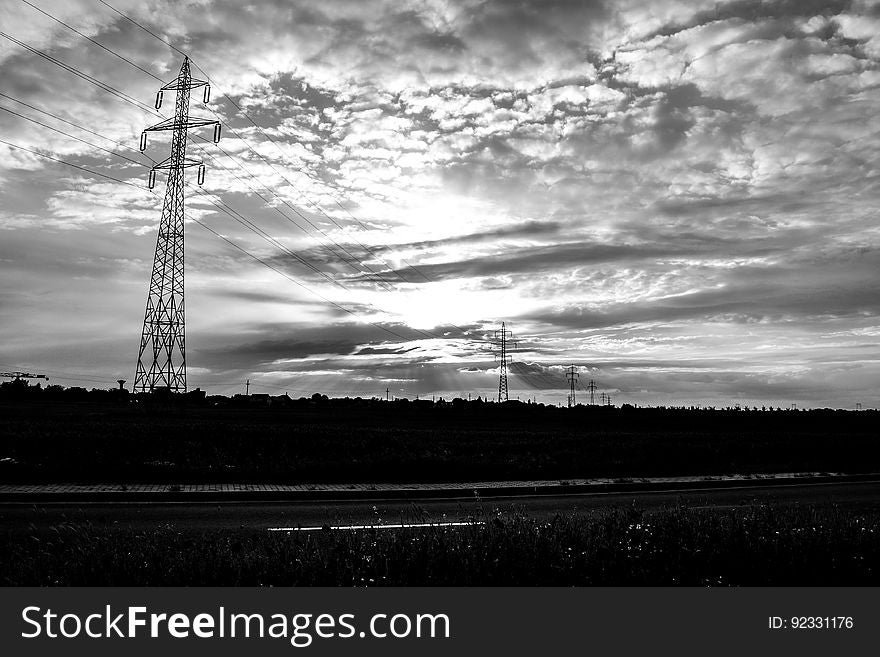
[(19, 517)]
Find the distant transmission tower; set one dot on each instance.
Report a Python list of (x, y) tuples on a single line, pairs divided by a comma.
[(502, 338), (162, 356), (572, 375), (591, 387)]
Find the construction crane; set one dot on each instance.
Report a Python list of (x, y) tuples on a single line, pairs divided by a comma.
[(15, 376)]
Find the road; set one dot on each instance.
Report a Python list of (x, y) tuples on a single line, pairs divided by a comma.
[(197, 516)]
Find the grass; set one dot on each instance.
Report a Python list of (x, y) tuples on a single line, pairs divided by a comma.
[(763, 545)]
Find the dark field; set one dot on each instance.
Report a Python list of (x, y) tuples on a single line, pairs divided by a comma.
[(375, 441), (762, 545), (327, 441)]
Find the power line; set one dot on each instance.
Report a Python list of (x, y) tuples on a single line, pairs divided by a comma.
[(232, 212), (270, 139), (295, 210), (275, 269), (351, 263), (102, 85), (75, 166), (263, 158), (128, 99), (237, 216), (67, 134), (125, 97), (209, 229), (219, 204), (312, 177), (130, 20), (75, 71), (309, 175), (71, 123), (240, 218), (142, 106), (232, 102), (369, 250), (84, 36)]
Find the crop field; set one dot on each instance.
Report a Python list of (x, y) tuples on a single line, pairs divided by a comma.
[(761, 545), (394, 443)]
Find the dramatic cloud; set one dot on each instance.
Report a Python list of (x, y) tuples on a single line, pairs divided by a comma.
[(679, 197)]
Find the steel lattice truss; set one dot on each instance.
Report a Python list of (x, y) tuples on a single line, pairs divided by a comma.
[(502, 342), (162, 355), (572, 375)]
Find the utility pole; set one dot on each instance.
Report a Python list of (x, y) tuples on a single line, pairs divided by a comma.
[(572, 375), (247, 388), (162, 356), (592, 390), (500, 346), (387, 394)]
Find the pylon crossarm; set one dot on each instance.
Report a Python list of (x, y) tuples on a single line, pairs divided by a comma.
[(192, 83), (172, 124), (168, 164)]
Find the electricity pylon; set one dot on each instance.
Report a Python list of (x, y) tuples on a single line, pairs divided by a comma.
[(572, 375), (501, 340), (591, 387), (163, 336)]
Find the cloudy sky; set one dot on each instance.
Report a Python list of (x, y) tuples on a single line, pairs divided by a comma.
[(678, 196)]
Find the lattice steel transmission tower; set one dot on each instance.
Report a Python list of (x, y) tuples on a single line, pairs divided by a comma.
[(502, 341), (591, 388), (162, 356), (571, 374)]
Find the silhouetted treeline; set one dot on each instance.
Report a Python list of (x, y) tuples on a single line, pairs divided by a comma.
[(57, 434), (457, 410)]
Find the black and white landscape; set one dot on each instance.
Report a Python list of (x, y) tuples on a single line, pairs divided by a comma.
[(671, 205)]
